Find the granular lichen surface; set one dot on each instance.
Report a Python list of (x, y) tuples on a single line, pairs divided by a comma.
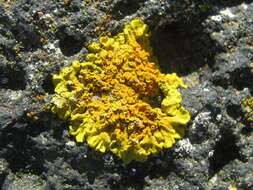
[(248, 108), (117, 100)]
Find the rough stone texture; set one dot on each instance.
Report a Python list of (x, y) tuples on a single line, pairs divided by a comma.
[(209, 43)]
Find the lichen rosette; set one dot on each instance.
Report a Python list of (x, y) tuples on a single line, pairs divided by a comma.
[(117, 100)]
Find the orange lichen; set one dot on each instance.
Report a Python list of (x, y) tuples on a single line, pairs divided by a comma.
[(118, 100)]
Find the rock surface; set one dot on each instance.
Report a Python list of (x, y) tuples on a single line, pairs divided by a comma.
[(209, 43)]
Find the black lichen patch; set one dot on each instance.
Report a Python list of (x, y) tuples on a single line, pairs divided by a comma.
[(183, 47), (12, 77), (225, 151)]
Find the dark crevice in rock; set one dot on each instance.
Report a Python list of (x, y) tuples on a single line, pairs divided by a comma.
[(239, 79), (157, 166), (2, 178), (122, 8), (247, 130), (234, 110), (48, 85), (134, 178), (242, 78), (183, 47), (225, 151), (18, 152), (18, 147), (70, 42), (228, 3), (12, 77), (70, 46), (25, 33)]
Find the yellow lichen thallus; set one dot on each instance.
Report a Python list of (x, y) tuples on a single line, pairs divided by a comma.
[(118, 100)]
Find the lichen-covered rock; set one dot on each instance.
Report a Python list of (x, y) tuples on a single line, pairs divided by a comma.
[(24, 181), (114, 98), (207, 43), (248, 107)]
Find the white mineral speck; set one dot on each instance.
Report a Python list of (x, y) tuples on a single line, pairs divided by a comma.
[(216, 18), (70, 143), (218, 117), (210, 154), (202, 118), (185, 146)]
